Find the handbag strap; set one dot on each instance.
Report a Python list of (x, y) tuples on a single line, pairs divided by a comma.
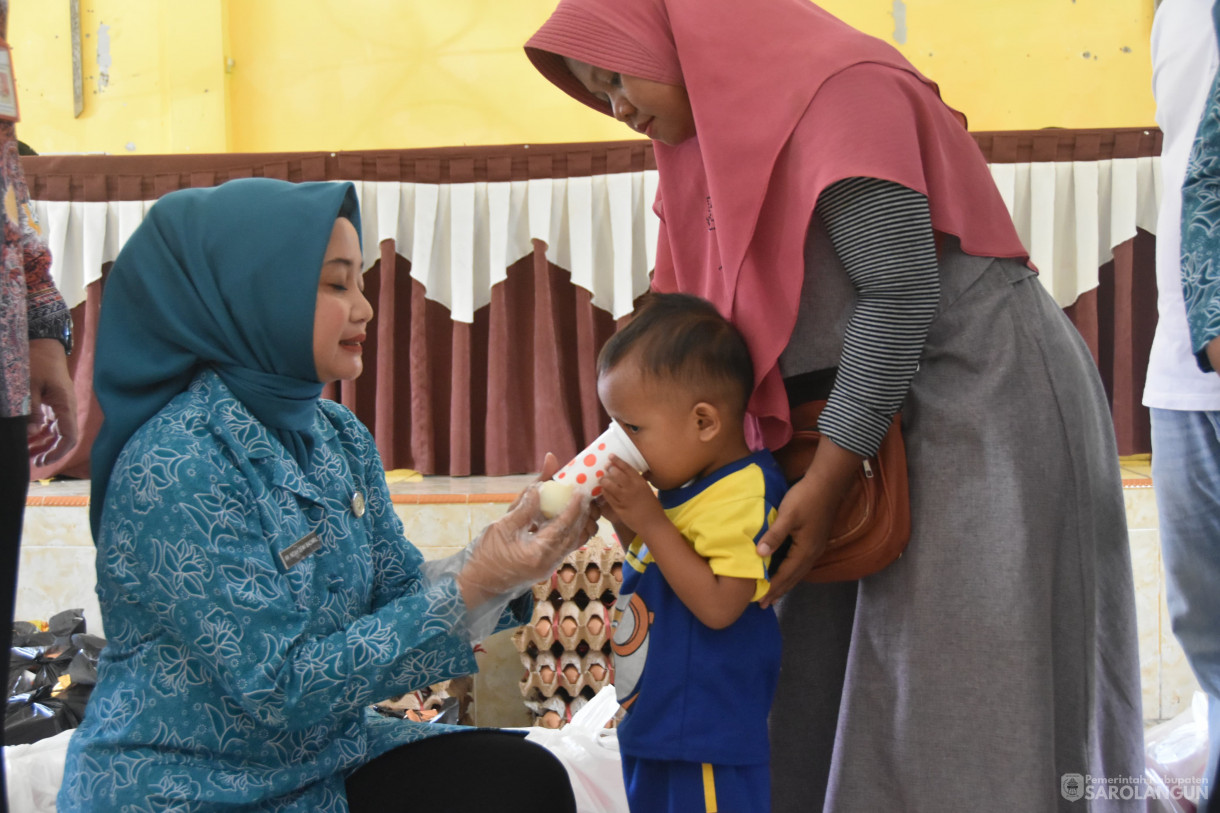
[(804, 417)]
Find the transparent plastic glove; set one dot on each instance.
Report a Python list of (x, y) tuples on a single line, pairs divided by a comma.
[(512, 554)]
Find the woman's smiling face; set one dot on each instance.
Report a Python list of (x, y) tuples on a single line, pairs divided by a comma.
[(341, 313), (660, 111)]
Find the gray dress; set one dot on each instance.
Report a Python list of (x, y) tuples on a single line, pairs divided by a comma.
[(998, 656)]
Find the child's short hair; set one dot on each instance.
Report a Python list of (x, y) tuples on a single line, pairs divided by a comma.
[(685, 339)]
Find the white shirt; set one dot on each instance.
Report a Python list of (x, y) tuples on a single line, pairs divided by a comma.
[(1184, 61)]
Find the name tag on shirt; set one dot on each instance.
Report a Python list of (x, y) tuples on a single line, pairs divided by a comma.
[(294, 553)]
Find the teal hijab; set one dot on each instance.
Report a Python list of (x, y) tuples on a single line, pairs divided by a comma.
[(225, 277)]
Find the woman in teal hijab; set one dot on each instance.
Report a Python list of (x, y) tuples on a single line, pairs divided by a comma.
[(202, 282), (257, 593)]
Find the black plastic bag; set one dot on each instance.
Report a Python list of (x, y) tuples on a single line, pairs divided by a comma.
[(38, 658), (42, 665), (66, 624), (40, 714), (27, 634), (83, 667), (51, 675)]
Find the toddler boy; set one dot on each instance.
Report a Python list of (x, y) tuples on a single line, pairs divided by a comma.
[(696, 658)]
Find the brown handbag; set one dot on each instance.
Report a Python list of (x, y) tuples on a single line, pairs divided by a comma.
[(874, 521)]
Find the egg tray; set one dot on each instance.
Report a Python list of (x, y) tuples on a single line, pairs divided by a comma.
[(565, 648)]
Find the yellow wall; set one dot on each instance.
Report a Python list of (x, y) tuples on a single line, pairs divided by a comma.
[(269, 75), (162, 89)]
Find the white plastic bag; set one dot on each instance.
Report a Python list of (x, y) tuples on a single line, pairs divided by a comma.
[(1176, 752), (589, 752), (34, 771)]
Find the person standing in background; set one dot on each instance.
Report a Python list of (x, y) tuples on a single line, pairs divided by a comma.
[(829, 203), (1183, 390), (37, 403)]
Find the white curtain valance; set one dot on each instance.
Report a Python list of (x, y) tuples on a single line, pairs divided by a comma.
[(1071, 214), (460, 238)]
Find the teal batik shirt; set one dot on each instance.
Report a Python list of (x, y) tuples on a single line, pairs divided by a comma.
[(234, 678), (1201, 226)]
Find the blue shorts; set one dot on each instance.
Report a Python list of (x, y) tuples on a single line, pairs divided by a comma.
[(671, 786)]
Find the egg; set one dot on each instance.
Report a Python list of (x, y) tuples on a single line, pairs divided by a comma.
[(555, 497)]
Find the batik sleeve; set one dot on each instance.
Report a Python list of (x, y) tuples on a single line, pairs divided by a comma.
[(1201, 228)]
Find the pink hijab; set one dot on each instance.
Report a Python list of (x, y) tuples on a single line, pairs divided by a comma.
[(737, 199)]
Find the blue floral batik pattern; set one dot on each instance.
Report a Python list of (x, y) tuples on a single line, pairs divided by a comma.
[(1201, 226), (231, 680)]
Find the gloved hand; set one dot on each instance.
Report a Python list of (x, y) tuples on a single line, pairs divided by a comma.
[(522, 547), (512, 554)]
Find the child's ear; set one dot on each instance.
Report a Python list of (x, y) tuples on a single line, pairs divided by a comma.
[(707, 420)]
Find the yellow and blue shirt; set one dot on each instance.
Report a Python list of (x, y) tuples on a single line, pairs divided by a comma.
[(693, 693)]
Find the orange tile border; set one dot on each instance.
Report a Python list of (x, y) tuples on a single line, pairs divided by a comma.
[(428, 499), (450, 499), (79, 501)]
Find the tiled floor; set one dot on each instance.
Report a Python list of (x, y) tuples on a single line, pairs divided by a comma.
[(1136, 467), (441, 515), (1168, 684)]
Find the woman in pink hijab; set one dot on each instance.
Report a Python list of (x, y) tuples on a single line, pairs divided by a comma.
[(816, 189)]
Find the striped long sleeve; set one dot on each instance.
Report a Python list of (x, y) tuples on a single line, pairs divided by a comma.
[(882, 233)]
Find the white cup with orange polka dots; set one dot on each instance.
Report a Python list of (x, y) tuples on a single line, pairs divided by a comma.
[(585, 471)]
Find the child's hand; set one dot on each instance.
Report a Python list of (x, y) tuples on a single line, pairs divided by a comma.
[(632, 500), (622, 530)]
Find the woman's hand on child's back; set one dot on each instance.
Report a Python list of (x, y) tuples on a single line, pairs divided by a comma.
[(807, 514)]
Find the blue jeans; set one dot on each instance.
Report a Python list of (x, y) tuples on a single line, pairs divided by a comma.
[(1186, 475)]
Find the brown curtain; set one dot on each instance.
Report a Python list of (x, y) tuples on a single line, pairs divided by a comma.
[(1117, 320), (492, 397), (444, 397)]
